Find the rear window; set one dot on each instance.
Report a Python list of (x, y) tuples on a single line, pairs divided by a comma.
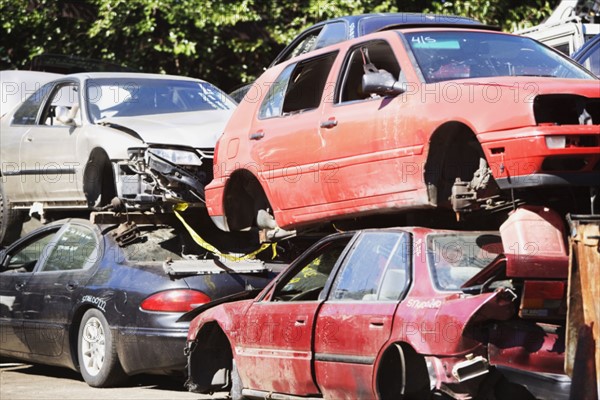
[(158, 245), (454, 258)]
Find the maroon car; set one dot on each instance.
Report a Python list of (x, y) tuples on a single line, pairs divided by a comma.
[(398, 313)]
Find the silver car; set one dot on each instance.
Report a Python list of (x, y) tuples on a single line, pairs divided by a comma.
[(85, 139)]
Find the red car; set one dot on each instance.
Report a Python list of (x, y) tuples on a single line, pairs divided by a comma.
[(407, 119), (398, 312)]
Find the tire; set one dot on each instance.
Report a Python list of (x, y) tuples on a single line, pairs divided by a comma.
[(98, 360), (236, 383), (11, 221), (403, 375)]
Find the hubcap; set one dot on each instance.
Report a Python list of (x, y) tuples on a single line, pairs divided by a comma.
[(93, 346)]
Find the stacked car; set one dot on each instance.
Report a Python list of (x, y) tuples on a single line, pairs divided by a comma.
[(452, 150)]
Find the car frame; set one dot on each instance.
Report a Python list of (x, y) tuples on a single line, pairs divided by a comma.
[(397, 313), (104, 300), (411, 137), (84, 139)]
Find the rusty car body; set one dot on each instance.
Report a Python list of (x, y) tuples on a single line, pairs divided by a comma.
[(397, 313), (408, 119)]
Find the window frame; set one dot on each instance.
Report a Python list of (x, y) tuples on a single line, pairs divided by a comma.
[(344, 69), (45, 92), (91, 262), (302, 261), (408, 269)]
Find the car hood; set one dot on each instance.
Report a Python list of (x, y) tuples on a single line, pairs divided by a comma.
[(199, 129), (525, 88)]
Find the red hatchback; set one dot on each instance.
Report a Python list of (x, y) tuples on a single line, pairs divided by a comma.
[(408, 119), (397, 313)]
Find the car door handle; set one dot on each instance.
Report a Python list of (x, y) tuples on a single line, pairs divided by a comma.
[(29, 139), (300, 321), (376, 323), (330, 123), (19, 285), (257, 135), (72, 285)]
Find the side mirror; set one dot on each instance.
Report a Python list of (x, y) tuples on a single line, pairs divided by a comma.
[(381, 83)]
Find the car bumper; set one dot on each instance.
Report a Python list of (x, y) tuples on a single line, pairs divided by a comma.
[(214, 202), (542, 386), (151, 350), (522, 157)]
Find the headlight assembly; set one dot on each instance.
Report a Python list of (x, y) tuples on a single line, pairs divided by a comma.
[(179, 157)]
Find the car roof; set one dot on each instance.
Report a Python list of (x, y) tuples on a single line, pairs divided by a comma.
[(131, 75), (364, 24), (397, 19)]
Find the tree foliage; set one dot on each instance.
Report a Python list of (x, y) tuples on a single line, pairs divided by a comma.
[(223, 41)]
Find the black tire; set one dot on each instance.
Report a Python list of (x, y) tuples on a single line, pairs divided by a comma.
[(11, 221), (96, 351), (236, 383), (99, 182), (403, 375)]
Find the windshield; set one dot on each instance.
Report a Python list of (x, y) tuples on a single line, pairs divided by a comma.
[(128, 97), (454, 258), (444, 56)]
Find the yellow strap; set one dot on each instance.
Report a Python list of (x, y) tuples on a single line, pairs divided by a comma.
[(180, 207)]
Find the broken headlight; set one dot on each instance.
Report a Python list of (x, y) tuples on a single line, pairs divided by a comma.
[(178, 157)]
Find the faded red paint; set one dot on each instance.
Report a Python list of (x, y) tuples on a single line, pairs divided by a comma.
[(291, 347), (373, 159)]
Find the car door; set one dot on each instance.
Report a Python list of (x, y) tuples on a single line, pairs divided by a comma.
[(53, 288), (369, 143), (275, 352), (49, 167), (356, 319), (18, 263), (285, 135), (12, 135)]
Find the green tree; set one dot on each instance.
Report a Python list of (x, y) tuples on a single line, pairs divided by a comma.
[(227, 42)]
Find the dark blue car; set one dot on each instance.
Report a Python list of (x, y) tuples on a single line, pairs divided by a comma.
[(105, 300)]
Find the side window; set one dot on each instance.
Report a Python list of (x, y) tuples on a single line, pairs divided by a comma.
[(273, 103), (62, 107), (76, 249), (25, 258), (332, 34), (306, 44), (379, 54), (29, 110), (312, 275), (592, 59), (306, 84), (377, 269)]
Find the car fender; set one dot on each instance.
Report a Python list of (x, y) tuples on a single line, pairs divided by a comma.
[(228, 316), (450, 326), (113, 141)]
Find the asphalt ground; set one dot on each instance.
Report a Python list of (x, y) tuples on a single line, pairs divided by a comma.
[(22, 381)]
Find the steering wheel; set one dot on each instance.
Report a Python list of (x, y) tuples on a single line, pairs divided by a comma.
[(307, 294)]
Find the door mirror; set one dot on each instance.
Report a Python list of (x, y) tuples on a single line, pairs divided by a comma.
[(381, 83)]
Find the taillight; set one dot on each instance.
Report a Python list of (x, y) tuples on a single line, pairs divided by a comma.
[(544, 299), (177, 300)]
